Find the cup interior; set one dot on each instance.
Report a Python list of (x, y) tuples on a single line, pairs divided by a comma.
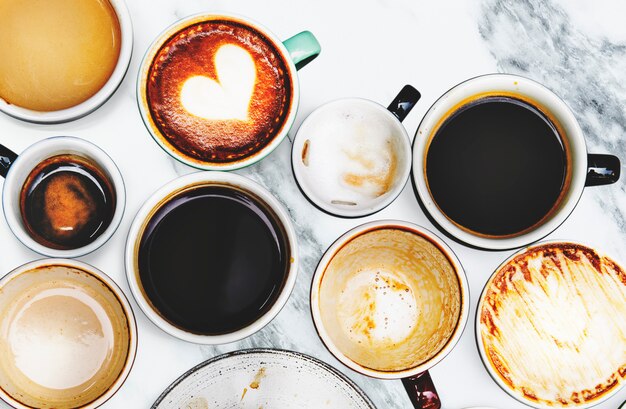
[(388, 301), (537, 96), (100, 97), (555, 303), (351, 157), (153, 300), (35, 154), (154, 125), (67, 336)]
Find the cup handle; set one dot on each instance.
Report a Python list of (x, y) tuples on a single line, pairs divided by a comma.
[(404, 102), (303, 48), (7, 157), (602, 169), (421, 391)]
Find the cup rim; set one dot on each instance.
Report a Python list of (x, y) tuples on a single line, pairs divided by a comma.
[(334, 210), (481, 349), (428, 235), (161, 196), (103, 160), (124, 303), (261, 351), (99, 98), (493, 82), (146, 116)]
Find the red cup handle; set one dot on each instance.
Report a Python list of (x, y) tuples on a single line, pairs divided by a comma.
[(422, 392)]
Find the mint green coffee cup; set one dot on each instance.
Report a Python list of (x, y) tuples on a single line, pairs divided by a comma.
[(219, 91)]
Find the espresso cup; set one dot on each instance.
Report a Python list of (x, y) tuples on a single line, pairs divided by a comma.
[(390, 300), (62, 196), (550, 326), (220, 91), (68, 336), (499, 161), (89, 97), (352, 157), (211, 257)]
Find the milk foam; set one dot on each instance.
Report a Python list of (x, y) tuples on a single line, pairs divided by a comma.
[(227, 97), (60, 337), (352, 155), (378, 307)]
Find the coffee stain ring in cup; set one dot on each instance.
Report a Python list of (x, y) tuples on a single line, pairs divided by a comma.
[(71, 333), (100, 97), (447, 254), (555, 303)]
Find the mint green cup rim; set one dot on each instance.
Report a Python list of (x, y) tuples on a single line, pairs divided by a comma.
[(303, 49)]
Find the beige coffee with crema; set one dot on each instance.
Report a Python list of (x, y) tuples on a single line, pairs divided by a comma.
[(553, 325), (390, 299)]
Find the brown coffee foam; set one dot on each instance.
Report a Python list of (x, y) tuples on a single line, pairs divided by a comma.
[(552, 325), (405, 261), (190, 52), (53, 320)]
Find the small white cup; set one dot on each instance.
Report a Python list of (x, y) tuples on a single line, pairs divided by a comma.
[(100, 97), (20, 167), (350, 114), (160, 197)]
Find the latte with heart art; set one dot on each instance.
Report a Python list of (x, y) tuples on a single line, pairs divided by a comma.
[(218, 91)]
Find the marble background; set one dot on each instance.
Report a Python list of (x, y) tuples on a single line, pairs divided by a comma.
[(371, 48)]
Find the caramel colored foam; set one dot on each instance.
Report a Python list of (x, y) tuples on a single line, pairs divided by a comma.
[(193, 54), (390, 300), (552, 325), (64, 338), (56, 54)]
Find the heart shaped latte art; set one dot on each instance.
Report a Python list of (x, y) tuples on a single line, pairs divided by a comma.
[(228, 97)]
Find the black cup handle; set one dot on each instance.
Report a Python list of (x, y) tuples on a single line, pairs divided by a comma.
[(404, 102), (602, 169), (7, 157), (422, 392)]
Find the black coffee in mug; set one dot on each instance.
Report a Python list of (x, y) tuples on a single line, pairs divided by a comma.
[(213, 259), (67, 202), (497, 166)]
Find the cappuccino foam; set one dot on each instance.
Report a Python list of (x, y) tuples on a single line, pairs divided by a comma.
[(352, 155)]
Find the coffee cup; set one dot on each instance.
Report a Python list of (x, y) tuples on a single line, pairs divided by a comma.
[(68, 336), (220, 91), (211, 257), (499, 161), (550, 326), (62, 196), (53, 73), (352, 157), (390, 300)]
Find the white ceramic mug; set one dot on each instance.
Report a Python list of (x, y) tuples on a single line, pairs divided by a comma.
[(100, 97), (161, 196), (296, 51), (586, 169), (415, 377), (354, 113), (16, 168)]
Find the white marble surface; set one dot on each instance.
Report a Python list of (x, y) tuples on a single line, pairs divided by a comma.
[(370, 48)]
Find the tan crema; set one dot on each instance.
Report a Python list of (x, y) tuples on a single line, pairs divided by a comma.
[(56, 54), (553, 326)]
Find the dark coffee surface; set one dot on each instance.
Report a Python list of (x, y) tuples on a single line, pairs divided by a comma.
[(66, 202), (212, 260), (191, 52), (497, 166)]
